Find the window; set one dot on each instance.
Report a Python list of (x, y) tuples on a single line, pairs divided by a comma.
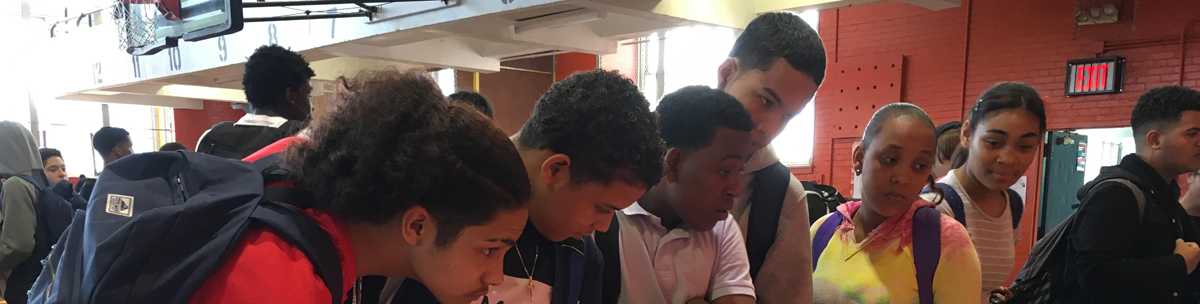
[(691, 55), (446, 81)]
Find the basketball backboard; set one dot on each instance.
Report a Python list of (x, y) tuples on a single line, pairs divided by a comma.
[(149, 26)]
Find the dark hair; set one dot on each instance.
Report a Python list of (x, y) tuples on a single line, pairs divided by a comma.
[(892, 111), (272, 70), (1161, 107), (948, 140), (777, 35), (689, 117), (603, 123), (172, 146), (394, 144), (960, 158), (1006, 96), (474, 99), (47, 153), (108, 138)]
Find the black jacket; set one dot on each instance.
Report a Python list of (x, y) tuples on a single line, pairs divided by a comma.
[(1114, 258)]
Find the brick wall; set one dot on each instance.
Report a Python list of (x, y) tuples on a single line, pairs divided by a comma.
[(953, 55), (190, 124)]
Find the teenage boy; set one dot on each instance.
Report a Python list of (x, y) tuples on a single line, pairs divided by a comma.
[(1137, 244), (774, 70), (277, 87), (590, 149), (679, 243)]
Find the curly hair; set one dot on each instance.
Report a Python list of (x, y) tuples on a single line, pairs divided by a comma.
[(272, 70), (775, 35), (1161, 108), (393, 144), (604, 124), (688, 118)]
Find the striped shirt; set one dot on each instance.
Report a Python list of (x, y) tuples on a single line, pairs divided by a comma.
[(994, 237)]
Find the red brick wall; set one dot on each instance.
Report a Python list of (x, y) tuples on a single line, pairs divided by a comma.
[(953, 55), (190, 124)]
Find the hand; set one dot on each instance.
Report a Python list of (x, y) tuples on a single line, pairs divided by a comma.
[(1003, 294), (1190, 253)]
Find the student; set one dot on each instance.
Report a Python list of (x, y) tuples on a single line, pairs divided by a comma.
[(172, 146), (443, 213), (774, 70), (17, 198), (277, 87), (1120, 253), (53, 165), (1002, 137), (893, 246), (474, 99), (112, 144), (587, 150), (947, 145), (678, 242)]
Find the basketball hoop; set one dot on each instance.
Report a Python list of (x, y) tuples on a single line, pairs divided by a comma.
[(136, 20)]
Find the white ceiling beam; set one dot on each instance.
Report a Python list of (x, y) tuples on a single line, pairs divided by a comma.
[(450, 52), (575, 38), (559, 20), (134, 99)]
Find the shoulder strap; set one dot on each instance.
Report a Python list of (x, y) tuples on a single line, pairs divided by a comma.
[(303, 232), (824, 233), (952, 199), (770, 187), (1137, 194), (38, 185), (1017, 207), (927, 249), (609, 243)]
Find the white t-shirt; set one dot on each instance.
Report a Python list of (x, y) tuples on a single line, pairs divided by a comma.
[(995, 238), (668, 267)]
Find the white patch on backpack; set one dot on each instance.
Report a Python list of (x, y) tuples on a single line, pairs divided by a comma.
[(120, 205)]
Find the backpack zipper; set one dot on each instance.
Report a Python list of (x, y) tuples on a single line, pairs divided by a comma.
[(182, 193)]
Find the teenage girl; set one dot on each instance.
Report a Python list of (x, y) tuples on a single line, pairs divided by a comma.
[(894, 247), (1002, 134)]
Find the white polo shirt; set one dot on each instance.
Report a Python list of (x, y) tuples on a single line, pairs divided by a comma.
[(669, 267)]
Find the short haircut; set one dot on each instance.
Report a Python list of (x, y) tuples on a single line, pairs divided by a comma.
[(47, 153), (108, 138), (777, 35), (689, 117), (1161, 108), (394, 144), (474, 99), (603, 123), (1008, 96), (271, 71), (172, 146), (948, 140)]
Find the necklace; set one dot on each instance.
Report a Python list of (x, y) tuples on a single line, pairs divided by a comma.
[(529, 272)]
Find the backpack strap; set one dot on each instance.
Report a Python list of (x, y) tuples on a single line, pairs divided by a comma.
[(609, 243), (1137, 194), (951, 198), (302, 231), (770, 187), (38, 185), (927, 249), (1017, 207), (824, 233)]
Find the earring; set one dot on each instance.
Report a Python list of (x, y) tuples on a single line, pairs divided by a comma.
[(858, 171)]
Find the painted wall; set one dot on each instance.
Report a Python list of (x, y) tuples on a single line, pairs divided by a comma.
[(953, 55)]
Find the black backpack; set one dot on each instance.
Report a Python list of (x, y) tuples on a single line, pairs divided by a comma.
[(229, 140), (822, 200), (1041, 280), (53, 214)]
